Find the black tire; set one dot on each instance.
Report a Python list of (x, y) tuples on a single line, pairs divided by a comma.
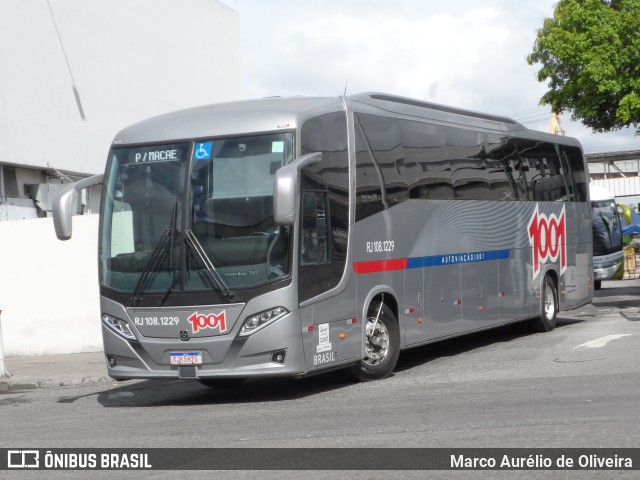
[(597, 284), (222, 382), (382, 348), (548, 307)]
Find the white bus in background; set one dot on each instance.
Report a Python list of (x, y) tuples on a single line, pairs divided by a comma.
[(607, 234)]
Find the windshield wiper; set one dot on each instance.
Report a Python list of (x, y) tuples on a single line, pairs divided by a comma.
[(167, 292), (217, 280), (158, 255)]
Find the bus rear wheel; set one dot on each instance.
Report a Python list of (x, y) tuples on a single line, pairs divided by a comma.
[(547, 320), (381, 344)]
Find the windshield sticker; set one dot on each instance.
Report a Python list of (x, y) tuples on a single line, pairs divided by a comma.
[(202, 151), (277, 147)]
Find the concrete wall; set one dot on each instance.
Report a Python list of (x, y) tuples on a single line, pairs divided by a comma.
[(48, 288), (620, 187)]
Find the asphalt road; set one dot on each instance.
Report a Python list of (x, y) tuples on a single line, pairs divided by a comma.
[(578, 386)]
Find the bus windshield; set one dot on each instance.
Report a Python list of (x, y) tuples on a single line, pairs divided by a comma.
[(607, 230), (194, 216)]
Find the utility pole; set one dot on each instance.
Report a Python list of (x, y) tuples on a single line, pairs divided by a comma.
[(3, 369), (555, 126)]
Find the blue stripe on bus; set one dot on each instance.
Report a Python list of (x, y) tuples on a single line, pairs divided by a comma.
[(457, 258), (373, 266)]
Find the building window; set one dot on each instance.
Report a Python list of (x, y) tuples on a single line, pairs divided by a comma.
[(10, 182)]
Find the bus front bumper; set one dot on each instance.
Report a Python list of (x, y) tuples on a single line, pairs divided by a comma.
[(605, 273), (274, 351)]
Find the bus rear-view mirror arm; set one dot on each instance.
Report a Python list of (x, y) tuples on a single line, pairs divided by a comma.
[(63, 205), (286, 191)]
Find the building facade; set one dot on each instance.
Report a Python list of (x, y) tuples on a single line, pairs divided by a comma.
[(75, 72)]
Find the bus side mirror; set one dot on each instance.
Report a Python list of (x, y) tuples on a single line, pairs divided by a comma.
[(63, 205), (286, 189)]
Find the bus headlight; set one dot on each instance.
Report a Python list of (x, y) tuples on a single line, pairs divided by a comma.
[(262, 319), (119, 326)]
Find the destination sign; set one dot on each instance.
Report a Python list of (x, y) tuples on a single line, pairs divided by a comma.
[(156, 154)]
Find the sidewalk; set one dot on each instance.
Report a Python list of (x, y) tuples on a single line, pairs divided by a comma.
[(45, 371)]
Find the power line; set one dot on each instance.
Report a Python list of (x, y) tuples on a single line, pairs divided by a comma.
[(539, 113), (523, 112), (535, 117)]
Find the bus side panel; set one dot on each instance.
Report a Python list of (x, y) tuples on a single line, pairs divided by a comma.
[(443, 313), (487, 243), (476, 258), (330, 335), (515, 291), (414, 325), (479, 295), (381, 245)]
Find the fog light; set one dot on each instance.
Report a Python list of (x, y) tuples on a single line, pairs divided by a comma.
[(279, 356), (111, 360)]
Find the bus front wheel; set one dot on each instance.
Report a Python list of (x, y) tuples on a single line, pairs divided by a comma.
[(381, 344), (547, 320)]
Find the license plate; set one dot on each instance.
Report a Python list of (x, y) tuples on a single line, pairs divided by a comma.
[(185, 358)]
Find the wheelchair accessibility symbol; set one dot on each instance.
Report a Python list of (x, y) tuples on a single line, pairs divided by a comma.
[(202, 151)]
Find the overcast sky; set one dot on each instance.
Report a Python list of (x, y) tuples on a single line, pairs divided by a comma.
[(464, 53)]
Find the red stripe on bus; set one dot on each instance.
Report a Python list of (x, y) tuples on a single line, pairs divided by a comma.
[(380, 266)]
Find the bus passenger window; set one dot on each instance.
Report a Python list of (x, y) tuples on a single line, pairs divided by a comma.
[(314, 242), (577, 172), (381, 179)]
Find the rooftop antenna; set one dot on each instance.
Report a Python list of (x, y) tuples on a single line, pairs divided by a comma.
[(345, 86), (73, 82)]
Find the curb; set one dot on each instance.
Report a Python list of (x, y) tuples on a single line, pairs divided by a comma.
[(32, 383)]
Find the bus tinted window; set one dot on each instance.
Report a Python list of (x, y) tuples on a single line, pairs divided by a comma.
[(329, 178), (427, 164), (504, 153), (581, 178), (381, 180), (468, 170), (442, 162), (369, 196), (546, 180)]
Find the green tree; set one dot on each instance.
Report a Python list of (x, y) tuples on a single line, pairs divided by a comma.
[(590, 56)]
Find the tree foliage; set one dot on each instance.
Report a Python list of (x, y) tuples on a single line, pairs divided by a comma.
[(590, 56)]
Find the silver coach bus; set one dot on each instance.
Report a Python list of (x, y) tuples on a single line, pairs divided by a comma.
[(288, 236)]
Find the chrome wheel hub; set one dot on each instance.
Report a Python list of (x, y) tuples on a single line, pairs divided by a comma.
[(376, 343), (549, 302)]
